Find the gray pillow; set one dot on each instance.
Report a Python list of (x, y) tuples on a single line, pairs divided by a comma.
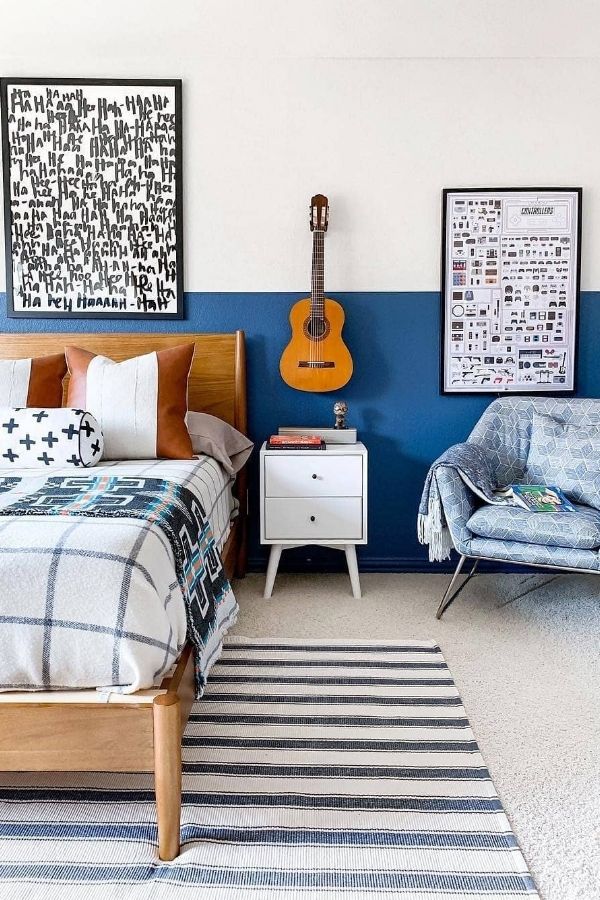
[(567, 456), (216, 438)]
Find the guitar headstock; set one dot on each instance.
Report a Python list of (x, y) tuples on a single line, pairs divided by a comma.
[(319, 213)]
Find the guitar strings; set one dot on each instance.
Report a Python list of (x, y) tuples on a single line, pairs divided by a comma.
[(314, 343), (316, 269), (313, 300), (317, 300), (321, 298)]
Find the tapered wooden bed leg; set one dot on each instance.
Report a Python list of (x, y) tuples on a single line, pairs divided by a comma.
[(167, 773)]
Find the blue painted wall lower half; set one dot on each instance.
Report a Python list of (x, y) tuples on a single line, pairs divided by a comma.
[(394, 398)]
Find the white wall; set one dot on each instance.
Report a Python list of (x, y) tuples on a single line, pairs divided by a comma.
[(377, 103)]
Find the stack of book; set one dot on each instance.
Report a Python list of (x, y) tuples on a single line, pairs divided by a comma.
[(329, 435), (295, 442)]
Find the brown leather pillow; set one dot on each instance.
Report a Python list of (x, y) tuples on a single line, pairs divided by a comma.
[(32, 382), (140, 403)]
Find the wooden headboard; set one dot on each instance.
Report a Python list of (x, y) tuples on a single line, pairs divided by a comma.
[(217, 382)]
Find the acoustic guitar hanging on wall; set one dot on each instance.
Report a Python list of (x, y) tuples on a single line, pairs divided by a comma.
[(316, 358)]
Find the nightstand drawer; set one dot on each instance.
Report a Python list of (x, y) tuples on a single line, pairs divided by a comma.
[(313, 476), (336, 519)]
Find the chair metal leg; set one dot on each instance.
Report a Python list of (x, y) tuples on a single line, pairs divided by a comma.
[(449, 597)]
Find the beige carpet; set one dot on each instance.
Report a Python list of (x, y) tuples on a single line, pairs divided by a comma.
[(528, 671)]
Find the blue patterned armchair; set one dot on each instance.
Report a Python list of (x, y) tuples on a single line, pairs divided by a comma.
[(566, 541)]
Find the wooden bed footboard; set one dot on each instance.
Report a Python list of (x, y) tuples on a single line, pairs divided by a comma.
[(142, 736)]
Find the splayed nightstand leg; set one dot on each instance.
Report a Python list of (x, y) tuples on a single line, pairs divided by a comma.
[(353, 570), (274, 558)]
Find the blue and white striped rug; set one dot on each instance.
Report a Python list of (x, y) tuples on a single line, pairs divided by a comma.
[(337, 770)]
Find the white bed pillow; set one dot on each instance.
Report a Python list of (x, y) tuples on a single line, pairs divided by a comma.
[(48, 438), (214, 437), (140, 402), (32, 382)]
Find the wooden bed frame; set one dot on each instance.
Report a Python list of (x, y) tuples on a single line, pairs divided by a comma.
[(141, 732)]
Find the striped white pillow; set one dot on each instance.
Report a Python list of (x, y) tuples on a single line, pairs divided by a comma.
[(140, 403), (32, 382)]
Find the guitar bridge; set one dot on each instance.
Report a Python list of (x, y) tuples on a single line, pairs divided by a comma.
[(320, 364)]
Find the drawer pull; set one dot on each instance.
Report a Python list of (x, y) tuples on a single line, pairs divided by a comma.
[(312, 519), (314, 476)]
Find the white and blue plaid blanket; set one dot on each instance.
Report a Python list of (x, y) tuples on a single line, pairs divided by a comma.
[(102, 562)]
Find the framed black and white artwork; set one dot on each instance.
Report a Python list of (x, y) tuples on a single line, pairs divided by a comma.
[(93, 198), (511, 260)]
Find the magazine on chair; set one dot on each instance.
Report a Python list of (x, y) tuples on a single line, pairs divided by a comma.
[(538, 498)]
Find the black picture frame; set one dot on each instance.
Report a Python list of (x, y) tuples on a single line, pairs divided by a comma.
[(171, 83), (516, 389)]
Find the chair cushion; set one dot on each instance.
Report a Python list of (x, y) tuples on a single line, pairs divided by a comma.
[(577, 530), (567, 455)]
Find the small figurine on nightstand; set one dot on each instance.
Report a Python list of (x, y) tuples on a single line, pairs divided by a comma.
[(340, 410)]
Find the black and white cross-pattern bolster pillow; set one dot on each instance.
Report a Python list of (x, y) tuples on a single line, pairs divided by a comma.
[(49, 438)]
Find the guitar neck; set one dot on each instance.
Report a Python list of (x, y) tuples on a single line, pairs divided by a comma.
[(317, 300)]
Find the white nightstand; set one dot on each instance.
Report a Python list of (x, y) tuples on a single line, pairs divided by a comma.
[(313, 497)]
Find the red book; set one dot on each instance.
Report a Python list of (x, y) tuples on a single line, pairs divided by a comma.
[(295, 442)]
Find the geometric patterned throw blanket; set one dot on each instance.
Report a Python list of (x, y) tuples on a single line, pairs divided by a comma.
[(175, 509), (472, 466)]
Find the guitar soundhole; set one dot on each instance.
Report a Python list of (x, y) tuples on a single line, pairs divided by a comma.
[(316, 329)]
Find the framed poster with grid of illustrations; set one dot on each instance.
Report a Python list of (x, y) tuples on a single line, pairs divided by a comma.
[(511, 261), (93, 198)]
